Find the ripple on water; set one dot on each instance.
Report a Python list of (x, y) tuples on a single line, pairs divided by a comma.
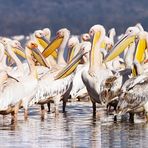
[(75, 128)]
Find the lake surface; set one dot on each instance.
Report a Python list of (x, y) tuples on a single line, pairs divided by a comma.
[(76, 128)]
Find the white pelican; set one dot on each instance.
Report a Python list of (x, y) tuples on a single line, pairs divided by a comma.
[(133, 97), (59, 42), (78, 88), (97, 72)]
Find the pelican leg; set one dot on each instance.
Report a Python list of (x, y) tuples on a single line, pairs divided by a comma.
[(14, 113), (42, 112), (108, 108), (64, 105), (12, 118), (48, 105), (131, 117), (25, 114), (94, 107), (79, 99), (115, 118)]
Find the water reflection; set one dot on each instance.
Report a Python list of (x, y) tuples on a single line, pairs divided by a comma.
[(76, 128)]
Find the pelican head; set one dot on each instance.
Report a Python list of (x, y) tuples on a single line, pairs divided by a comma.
[(39, 34), (127, 39), (5, 40), (72, 46), (56, 43), (84, 49), (109, 43), (132, 30), (32, 45), (17, 48), (72, 41), (85, 37), (112, 32), (36, 53), (97, 32), (16, 44), (96, 28), (62, 32), (47, 32)]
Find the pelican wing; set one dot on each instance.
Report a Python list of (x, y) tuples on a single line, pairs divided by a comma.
[(13, 91), (49, 88)]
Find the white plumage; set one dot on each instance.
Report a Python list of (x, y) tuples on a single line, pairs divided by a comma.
[(78, 86)]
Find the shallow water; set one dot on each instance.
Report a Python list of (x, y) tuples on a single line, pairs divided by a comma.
[(75, 128)]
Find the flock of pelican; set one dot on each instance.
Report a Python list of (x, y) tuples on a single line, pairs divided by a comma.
[(111, 72)]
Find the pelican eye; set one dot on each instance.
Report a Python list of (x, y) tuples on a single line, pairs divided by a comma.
[(91, 32)]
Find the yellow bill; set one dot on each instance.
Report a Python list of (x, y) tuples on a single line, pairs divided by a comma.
[(103, 45), (119, 47), (134, 72), (67, 70), (52, 47), (95, 40), (44, 43), (71, 54), (19, 52), (140, 50), (39, 58), (7, 54)]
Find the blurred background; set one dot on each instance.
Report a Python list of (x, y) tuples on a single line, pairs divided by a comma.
[(24, 16)]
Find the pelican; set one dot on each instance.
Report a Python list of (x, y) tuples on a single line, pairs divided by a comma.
[(78, 88), (113, 84), (13, 90), (133, 97), (134, 92), (43, 38), (97, 72), (134, 54), (57, 85), (73, 47), (25, 68), (59, 42), (109, 40)]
